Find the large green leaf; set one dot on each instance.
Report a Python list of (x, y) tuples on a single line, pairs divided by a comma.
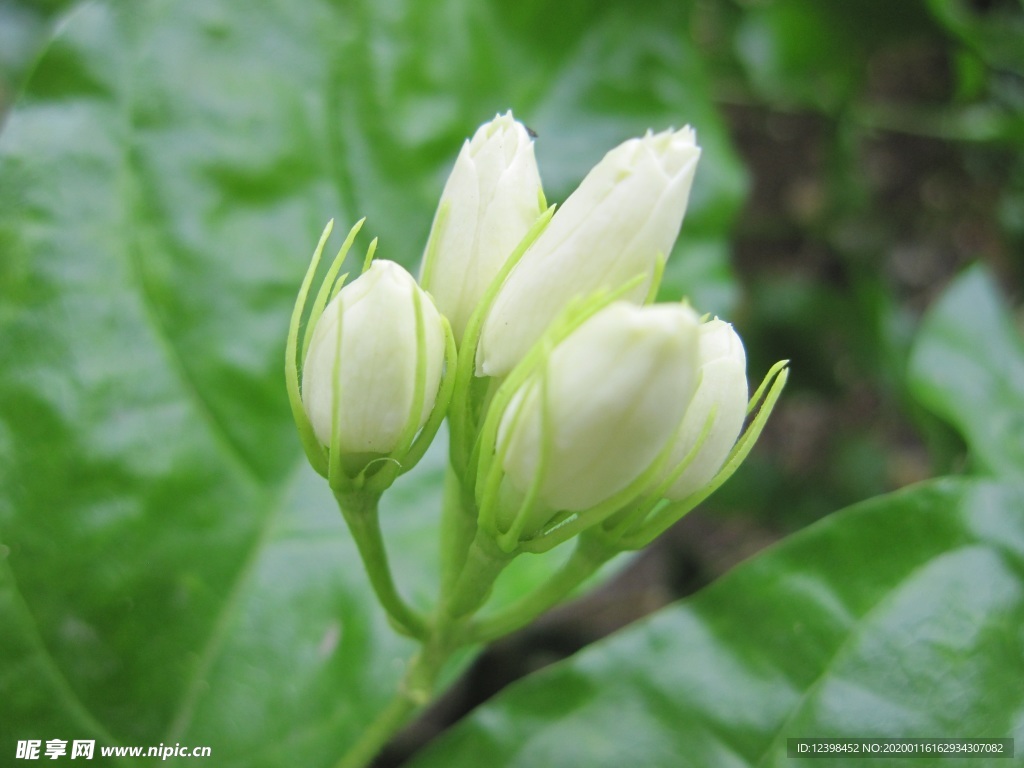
[(900, 617), (967, 366), (170, 570)]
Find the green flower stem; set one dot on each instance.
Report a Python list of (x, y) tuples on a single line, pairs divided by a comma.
[(458, 528), (445, 634), (472, 562), (379, 731), (590, 554), (483, 563), (359, 509), (414, 692)]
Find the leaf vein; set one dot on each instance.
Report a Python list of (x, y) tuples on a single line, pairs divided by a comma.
[(58, 681), (857, 628), (196, 685)]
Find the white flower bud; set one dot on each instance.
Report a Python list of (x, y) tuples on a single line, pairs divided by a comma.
[(372, 363), (491, 199), (615, 390), (621, 222), (723, 387)]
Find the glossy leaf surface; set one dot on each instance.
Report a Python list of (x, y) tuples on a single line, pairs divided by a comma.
[(968, 367), (170, 570), (900, 617)]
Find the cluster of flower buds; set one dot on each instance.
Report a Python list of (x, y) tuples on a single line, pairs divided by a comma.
[(575, 402)]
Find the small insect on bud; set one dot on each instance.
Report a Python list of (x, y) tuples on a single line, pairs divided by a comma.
[(492, 198)]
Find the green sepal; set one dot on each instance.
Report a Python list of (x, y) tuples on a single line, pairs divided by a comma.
[(489, 455), (310, 444), (659, 272), (429, 259), (463, 425), (632, 516), (294, 358), (762, 402), (379, 474), (370, 252), (415, 440), (327, 287)]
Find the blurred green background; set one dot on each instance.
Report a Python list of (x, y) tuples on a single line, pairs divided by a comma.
[(167, 168)]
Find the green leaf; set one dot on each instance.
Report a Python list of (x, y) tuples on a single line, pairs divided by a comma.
[(994, 33), (170, 569), (967, 366), (900, 617), (23, 26), (813, 54)]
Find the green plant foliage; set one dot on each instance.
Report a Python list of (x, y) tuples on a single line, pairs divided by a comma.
[(169, 569), (993, 33), (172, 571), (812, 54), (899, 617), (23, 25), (968, 367)]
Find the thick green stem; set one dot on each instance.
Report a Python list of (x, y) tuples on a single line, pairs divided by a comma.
[(471, 563), (440, 639), (590, 554), (483, 563), (458, 528), (414, 692), (379, 732), (360, 511)]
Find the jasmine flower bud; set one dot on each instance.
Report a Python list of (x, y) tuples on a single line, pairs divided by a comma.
[(721, 397), (600, 408), (620, 223), (491, 199), (374, 365)]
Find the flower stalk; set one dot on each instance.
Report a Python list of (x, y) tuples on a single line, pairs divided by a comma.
[(360, 511)]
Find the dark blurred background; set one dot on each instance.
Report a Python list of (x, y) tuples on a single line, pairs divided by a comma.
[(884, 147)]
